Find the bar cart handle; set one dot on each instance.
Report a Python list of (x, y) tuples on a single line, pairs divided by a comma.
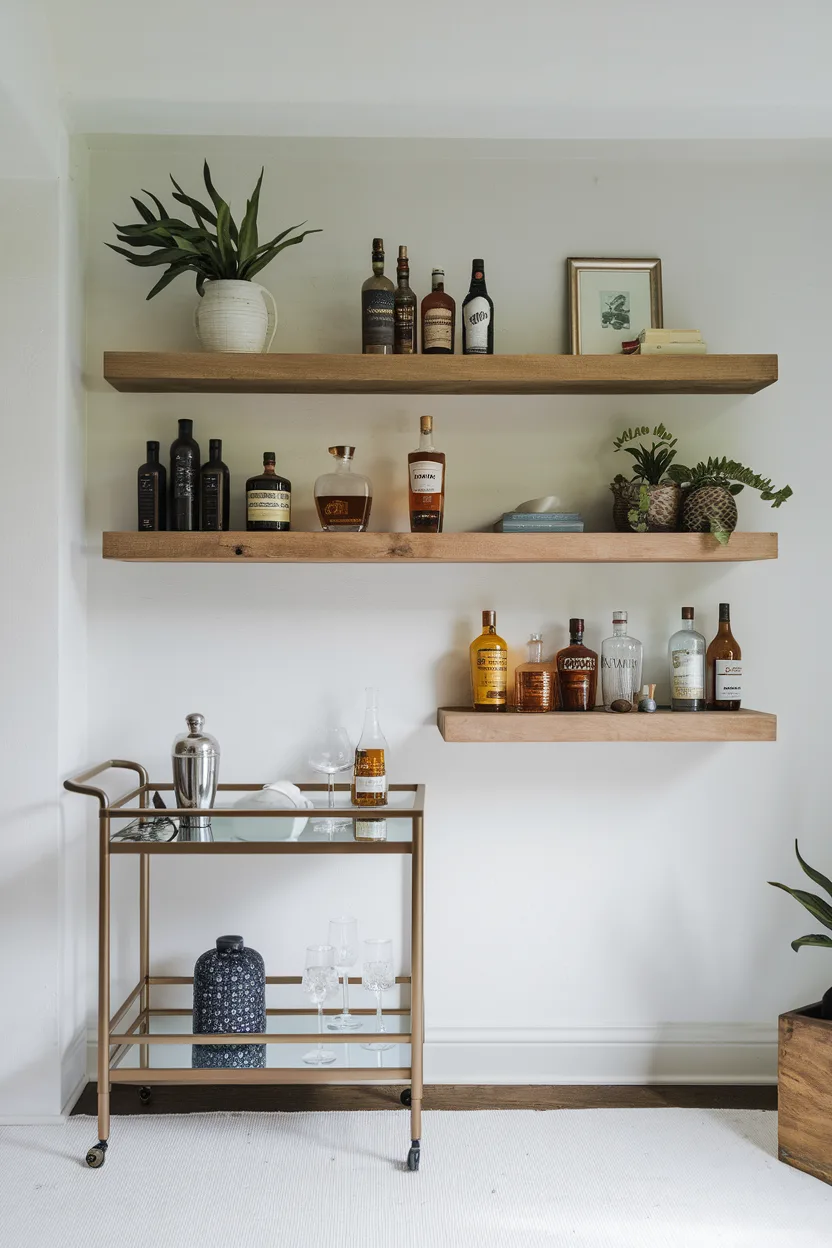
[(78, 784)]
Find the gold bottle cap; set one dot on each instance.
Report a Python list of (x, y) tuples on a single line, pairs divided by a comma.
[(342, 452), (489, 617), (426, 424), (402, 253)]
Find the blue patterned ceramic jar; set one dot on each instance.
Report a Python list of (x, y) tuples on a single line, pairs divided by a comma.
[(229, 995)]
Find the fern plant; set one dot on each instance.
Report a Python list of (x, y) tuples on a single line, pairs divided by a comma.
[(214, 248), (819, 909), (651, 463), (731, 476)]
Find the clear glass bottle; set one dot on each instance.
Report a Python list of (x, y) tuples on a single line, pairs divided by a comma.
[(621, 659), (426, 480), (723, 667), (489, 666), (377, 307), (534, 682), (577, 672), (686, 653), (343, 498), (369, 785)]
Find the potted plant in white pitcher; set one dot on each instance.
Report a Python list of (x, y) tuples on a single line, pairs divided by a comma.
[(233, 313)]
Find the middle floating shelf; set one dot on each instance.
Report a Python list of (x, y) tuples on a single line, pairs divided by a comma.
[(320, 547)]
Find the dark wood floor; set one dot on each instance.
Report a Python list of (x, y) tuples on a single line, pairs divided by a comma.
[(167, 1099)]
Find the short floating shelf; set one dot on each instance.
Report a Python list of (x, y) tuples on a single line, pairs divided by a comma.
[(437, 547), (459, 725), (203, 372)]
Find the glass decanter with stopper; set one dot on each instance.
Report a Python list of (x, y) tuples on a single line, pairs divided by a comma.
[(343, 498), (534, 682), (621, 658)]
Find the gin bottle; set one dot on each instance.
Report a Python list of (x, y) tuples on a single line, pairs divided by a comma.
[(621, 657), (687, 666)]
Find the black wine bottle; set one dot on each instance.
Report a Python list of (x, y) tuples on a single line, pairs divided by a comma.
[(214, 490), (184, 480), (152, 493), (478, 315), (268, 499)]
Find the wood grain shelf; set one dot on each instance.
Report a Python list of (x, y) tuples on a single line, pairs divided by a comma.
[(466, 725), (199, 372), (437, 547)]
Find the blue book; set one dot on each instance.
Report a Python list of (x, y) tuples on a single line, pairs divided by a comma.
[(561, 526), (541, 515)]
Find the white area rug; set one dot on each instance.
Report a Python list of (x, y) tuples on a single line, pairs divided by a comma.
[(600, 1178)]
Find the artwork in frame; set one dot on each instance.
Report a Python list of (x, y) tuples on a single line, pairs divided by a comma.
[(611, 301)]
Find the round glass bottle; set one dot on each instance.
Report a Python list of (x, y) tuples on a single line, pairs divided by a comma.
[(343, 497)]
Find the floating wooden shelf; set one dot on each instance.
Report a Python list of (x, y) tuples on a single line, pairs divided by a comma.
[(437, 547), (463, 724), (206, 372)]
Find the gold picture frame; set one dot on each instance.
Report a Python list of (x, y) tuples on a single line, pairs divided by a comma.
[(606, 310)]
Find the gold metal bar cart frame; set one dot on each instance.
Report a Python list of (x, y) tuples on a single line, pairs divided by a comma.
[(116, 1037)]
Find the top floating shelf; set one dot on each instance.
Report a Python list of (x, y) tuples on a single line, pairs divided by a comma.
[(201, 372)]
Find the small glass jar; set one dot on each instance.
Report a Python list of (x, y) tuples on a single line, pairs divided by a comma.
[(343, 497)]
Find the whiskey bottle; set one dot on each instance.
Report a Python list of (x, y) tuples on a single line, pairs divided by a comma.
[(426, 480), (438, 318), (377, 307), (489, 666), (371, 828), (369, 785), (405, 309), (723, 667), (577, 668), (214, 491), (621, 657), (184, 480), (152, 492), (268, 499), (534, 682), (478, 315), (686, 652), (343, 498)]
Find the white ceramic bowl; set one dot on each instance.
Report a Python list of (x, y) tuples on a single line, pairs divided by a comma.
[(280, 795), (550, 503)]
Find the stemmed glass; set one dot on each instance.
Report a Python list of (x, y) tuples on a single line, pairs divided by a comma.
[(377, 976), (343, 936), (320, 981), (332, 753)]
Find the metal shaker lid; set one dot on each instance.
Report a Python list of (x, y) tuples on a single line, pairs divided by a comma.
[(195, 743)]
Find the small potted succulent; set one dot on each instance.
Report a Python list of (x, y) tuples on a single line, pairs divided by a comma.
[(709, 490), (649, 503), (233, 314)]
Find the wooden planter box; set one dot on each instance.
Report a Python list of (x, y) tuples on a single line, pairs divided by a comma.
[(804, 1099)]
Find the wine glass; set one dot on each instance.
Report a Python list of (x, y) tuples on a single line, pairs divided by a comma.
[(343, 936), (377, 976), (332, 753), (320, 981)]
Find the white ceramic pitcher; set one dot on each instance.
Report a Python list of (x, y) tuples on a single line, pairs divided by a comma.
[(235, 316)]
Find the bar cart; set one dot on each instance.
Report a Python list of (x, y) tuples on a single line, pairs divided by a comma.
[(135, 1042)]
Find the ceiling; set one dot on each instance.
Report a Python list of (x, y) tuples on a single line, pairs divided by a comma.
[(641, 69)]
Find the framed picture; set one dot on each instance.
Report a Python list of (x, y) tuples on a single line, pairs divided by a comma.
[(611, 301)]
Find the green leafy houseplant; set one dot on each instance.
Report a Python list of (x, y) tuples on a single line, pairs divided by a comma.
[(215, 248), (709, 491), (820, 910), (649, 500)]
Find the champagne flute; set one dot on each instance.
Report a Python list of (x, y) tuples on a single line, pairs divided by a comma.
[(320, 981), (332, 753), (343, 936), (377, 976)]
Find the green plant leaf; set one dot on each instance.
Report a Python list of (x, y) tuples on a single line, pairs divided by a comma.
[(143, 209), (810, 901), (247, 243), (167, 255), (813, 875), (200, 211), (166, 278), (218, 201), (723, 536), (815, 939), (268, 256), (163, 212), (224, 240)]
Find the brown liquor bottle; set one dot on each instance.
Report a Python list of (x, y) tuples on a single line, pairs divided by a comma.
[(268, 499), (489, 666), (723, 667), (577, 672), (438, 318), (405, 309), (534, 682), (426, 481), (369, 784), (152, 493)]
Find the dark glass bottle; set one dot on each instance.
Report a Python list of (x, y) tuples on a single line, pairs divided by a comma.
[(268, 499), (214, 491), (478, 315), (438, 318), (405, 309), (377, 307), (153, 493), (184, 480), (577, 672), (723, 667)]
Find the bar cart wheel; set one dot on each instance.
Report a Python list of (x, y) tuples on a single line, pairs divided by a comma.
[(406, 1097), (414, 1155), (145, 1095), (97, 1156)]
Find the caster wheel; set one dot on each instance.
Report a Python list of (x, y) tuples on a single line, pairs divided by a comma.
[(406, 1098), (413, 1157), (96, 1156), (145, 1096)]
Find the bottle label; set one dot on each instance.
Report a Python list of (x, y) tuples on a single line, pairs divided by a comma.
[(184, 474), (438, 329), (371, 784), (271, 506), (476, 320), (377, 318), (148, 515), (371, 829), (490, 676), (404, 329), (687, 675), (728, 680), (426, 476), (210, 502), (584, 663)]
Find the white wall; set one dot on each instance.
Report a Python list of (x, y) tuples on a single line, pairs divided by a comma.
[(594, 912)]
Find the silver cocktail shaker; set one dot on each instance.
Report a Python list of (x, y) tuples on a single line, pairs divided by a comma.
[(196, 763)]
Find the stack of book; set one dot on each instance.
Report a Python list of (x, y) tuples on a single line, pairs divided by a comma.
[(540, 522), (666, 342)]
